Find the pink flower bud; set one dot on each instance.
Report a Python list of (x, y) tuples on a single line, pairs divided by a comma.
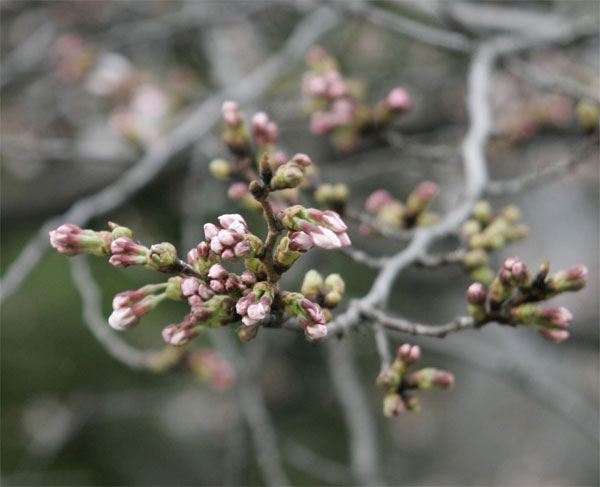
[(315, 332), (231, 113), (300, 242), (409, 353), (560, 316), (398, 99), (476, 293), (264, 131), (126, 260), (237, 191), (554, 335), (122, 319), (427, 191), (189, 286), (377, 200)]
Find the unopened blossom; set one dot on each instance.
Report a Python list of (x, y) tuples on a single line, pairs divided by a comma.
[(377, 200), (290, 174), (231, 240), (71, 240), (398, 100), (559, 317), (129, 307), (256, 305), (126, 252), (409, 354), (312, 286), (210, 367), (325, 228), (300, 241), (572, 279), (422, 197), (430, 378), (553, 334), (232, 113), (309, 314), (264, 131), (334, 290)]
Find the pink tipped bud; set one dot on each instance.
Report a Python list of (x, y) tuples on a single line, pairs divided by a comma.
[(237, 191), (217, 271), (314, 332), (264, 131), (122, 319), (398, 100), (409, 353), (300, 242), (189, 286), (427, 191), (571, 279), (476, 293), (377, 200), (231, 113), (554, 335), (560, 316)]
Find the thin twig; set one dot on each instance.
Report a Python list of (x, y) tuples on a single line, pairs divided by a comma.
[(383, 346), (401, 25), (95, 321), (316, 465), (407, 326), (430, 261), (194, 127), (361, 257), (363, 442), (544, 174)]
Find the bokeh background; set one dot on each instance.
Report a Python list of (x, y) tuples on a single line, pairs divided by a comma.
[(72, 415)]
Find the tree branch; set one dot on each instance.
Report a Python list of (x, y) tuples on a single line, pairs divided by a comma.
[(179, 140)]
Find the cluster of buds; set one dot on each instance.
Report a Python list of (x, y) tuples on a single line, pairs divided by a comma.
[(264, 131), (327, 293), (209, 367), (232, 240), (309, 314), (332, 196), (335, 106), (216, 296), (486, 232), (324, 229), (390, 212), (398, 380), (513, 290)]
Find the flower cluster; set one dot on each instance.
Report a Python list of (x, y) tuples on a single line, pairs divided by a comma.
[(328, 292), (486, 232), (216, 296), (512, 291), (335, 106), (392, 213), (397, 380)]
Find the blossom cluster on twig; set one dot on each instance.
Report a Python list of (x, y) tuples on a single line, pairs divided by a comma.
[(509, 299)]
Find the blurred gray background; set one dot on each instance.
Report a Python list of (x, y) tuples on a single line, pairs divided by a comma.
[(72, 415)]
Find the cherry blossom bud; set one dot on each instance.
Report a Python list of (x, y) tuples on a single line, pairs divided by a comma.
[(377, 200), (290, 174), (232, 114), (332, 195), (284, 255), (118, 231), (392, 405), (476, 294), (334, 290), (482, 211), (209, 367), (189, 286), (422, 197), (510, 213), (398, 99), (162, 256), (312, 286), (217, 271), (247, 333), (409, 354), (309, 314), (127, 314), (300, 241), (173, 289), (221, 169), (430, 378), (470, 228), (256, 306), (475, 258), (559, 317), (71, 240), (554, 335), (571, 279), (264, 131), (324, 228)]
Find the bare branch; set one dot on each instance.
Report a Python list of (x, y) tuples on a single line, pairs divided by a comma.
[(361, 257), (179, 140), (550, 81), (362, 430), (432, 261), (383, 346), (415, 30), (544, 174), (316, 465), (407, 326)]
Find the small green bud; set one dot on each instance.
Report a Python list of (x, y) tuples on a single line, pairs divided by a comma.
[(427, 218), (482, 211), (221, 169), (475, 258), (510, 213), (312, 286), (483, 274), (173, 290), (470, 228), (392, 405), (161, 256), (118, 231), (284, 256), (334, 290)]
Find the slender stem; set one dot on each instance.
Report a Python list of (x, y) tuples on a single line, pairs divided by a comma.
[(274, 230)]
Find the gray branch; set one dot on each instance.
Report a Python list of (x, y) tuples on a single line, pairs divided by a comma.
[(194, 127)]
